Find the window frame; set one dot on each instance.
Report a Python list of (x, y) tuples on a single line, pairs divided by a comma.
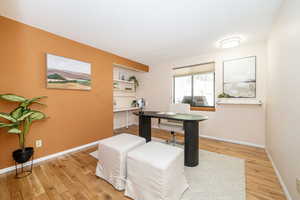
[(198, 108)]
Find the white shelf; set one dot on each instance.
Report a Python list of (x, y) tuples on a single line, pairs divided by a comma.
[(125, 91), (121, 109), (239, 101), (123, 81)]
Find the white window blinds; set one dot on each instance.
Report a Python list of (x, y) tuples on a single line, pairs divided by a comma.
[(194, 69)]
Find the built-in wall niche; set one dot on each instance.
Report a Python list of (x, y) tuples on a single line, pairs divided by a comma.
[(124, 96), (124, 90), (122, 74), (123, 102)]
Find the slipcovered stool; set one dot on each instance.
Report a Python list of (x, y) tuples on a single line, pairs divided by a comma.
[(155, 171), (112, 154)]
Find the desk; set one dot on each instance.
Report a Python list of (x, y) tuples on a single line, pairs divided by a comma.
[(191, 131), (127, 110)]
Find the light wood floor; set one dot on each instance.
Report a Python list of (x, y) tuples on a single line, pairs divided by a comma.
[(73, 176)]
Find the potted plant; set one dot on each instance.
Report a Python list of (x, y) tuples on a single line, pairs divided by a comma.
[(224, 95), (134, 103), (18, 122), (136, 82)]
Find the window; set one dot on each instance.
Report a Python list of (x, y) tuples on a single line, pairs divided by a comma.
[(182, 88), (204, 89), (195, 88)]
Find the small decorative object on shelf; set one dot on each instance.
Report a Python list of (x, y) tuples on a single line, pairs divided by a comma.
[(136, 82), (134, 103), (128, 89), (20, 120), (141, 104), (124, 86), (116, 85)]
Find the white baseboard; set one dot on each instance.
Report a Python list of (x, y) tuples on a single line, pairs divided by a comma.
[(124, 126), (51, 156), (233, 141), (227, 140), (285, 190)]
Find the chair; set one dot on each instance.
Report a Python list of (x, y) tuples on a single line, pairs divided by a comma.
[(172, 125), (200, 101), (195, 101)]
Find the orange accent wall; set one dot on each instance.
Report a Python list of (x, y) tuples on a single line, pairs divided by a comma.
[(76, 117)]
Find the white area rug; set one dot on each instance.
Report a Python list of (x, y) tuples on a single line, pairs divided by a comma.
[(217, 177)]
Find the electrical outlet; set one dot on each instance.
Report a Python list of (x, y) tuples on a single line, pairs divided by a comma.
[(298, 185), (38, 143)]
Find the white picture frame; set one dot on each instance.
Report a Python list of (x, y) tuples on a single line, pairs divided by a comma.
[(239, 77), (67, 73)]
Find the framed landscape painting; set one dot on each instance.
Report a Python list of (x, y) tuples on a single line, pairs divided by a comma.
[(239, 77), (66, 73)]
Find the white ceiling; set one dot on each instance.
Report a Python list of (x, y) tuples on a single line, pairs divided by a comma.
[(148, 31)]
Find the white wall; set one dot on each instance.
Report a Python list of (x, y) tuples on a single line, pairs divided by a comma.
[(283, 96), (243, 123)]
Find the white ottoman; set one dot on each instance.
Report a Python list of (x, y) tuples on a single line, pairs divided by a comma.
[(155, 171), (112, 154)]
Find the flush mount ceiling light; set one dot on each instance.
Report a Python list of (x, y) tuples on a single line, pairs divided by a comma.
[(229, 42)]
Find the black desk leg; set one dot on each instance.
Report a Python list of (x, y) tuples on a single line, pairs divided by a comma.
[(145, 127), (191, 143)]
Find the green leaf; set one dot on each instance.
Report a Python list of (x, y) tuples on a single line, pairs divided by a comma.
[(6, 125), (37, 115), (7, 116), (12, 97), (25, 115), (39, 103), (26, 111), (56, 76), (27, 125), (17, 112), (14, 130), (28, 102)]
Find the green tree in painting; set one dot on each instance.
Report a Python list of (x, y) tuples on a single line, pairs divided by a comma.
[(56, 76)]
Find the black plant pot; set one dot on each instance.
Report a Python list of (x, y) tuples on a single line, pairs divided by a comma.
[(23, 155)]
